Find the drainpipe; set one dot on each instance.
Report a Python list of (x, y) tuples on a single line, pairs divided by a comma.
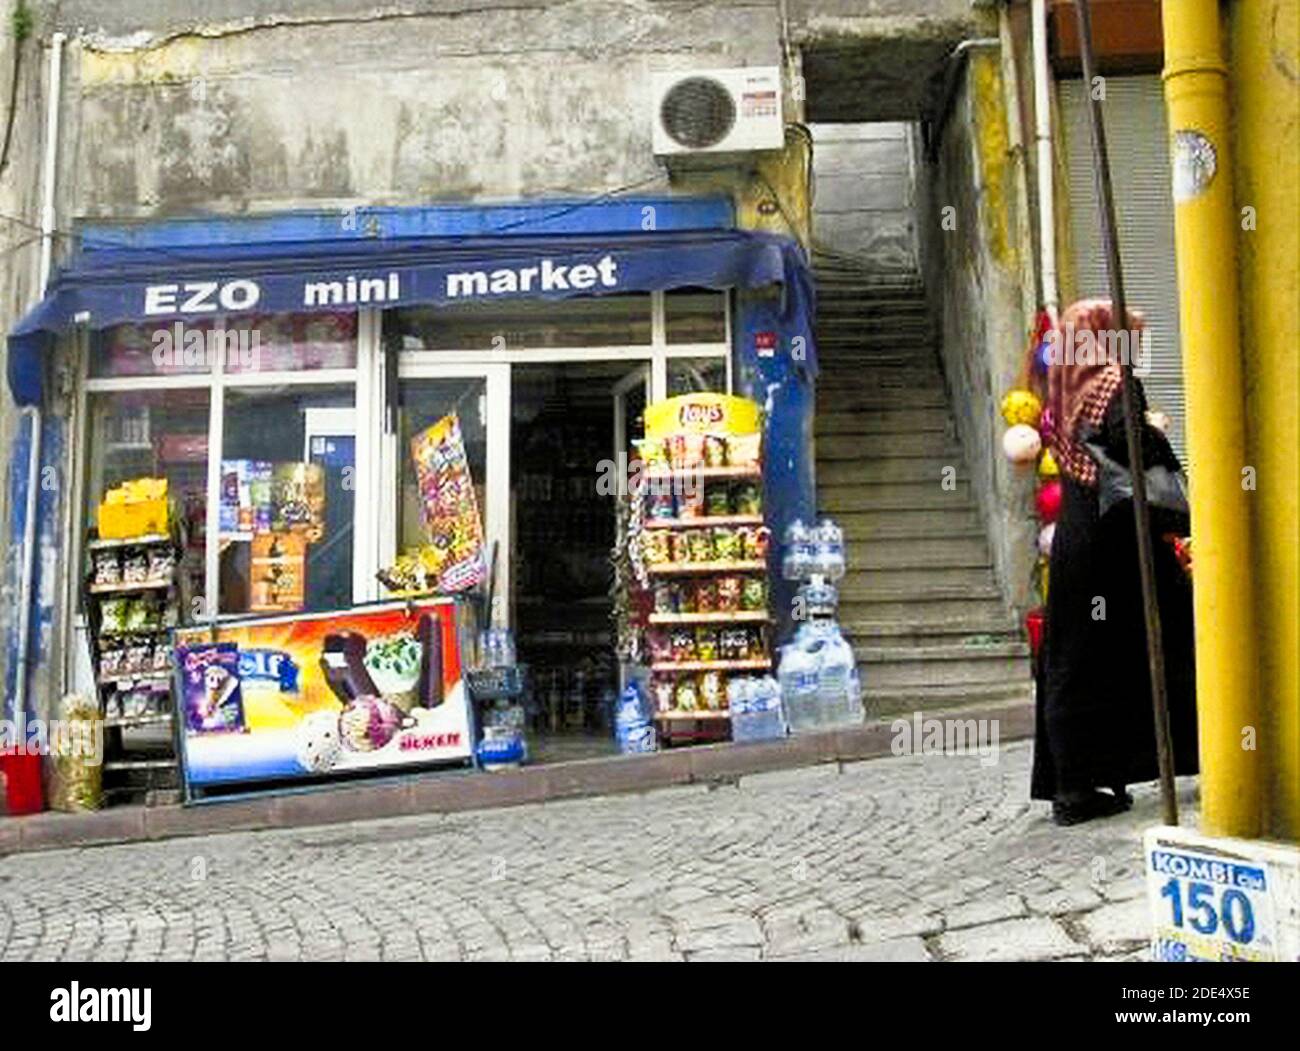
[(1043, 140), (1196, 94), (33, 412)]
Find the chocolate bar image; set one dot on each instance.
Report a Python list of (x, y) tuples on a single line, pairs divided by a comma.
[(343, 660), (428, 690)]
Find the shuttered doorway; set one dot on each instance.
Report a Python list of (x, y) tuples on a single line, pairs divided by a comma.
[(1138, 142)]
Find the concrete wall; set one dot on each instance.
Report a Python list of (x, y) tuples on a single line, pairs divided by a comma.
[(863, 203), (972, 245)]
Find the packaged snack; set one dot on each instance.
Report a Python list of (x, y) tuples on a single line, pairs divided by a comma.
[(729, 589), (110, 662), (706, 596), (757, 543), (717, 499), (661, 691), (706, 644), (665, 599), (712, 690), (686, 695), (660, 646), (139, 658), (660, 505), (692, 450), (743, 450), (112, 615), (690, 501), (699, 544), (683, 597), (655, 546), (676, 447), (753, 593), (135, 567), (754, 647), (683, 645), (680, 543), (449, 504), (651, 451), (732, 644), (747, 498), (141, 615), (107, 568), (162, 657), (715, 450), (162, 563), (727, 544)]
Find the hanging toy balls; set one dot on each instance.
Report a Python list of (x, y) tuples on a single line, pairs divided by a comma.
[(1021, 406), (1021, 444), (1045, 536), (1048, 501), (1047, 465)]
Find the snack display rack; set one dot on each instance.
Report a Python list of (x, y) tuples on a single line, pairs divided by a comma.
[(132, 598), (704, 548)]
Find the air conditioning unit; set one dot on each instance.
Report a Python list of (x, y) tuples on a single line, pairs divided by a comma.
[(717, 111)]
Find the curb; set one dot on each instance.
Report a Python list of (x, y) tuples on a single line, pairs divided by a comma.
[(459, 791)]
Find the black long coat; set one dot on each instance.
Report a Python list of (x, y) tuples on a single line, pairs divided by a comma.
[(1095, 726)]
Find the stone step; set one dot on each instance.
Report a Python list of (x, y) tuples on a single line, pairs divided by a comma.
[(903, 633), (839, 437), (935, 551), (868, 527), (867, 471), (898, 422), (904, 700), (889, 668), (957, 608), (919, 582), (830, 325), (834, 375), (869, 398), (867, 496)]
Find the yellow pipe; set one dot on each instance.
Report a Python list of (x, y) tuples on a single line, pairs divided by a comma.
[(1196, 94)]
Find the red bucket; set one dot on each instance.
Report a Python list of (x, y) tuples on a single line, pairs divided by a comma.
[(21, 774), (1034, 621)]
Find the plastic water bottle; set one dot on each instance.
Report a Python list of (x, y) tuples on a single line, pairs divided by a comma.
[(633, 730), (796, 563), (827, 558), (835, 689), (798, 673)]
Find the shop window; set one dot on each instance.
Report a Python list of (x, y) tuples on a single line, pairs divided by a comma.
[(155, 349), (695, 316), (156, 434), (696, 375), (287, 498), (424, 403), (593, 321), (294, 343)]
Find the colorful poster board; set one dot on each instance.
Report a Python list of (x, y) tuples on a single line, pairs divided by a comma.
[(449, 505), (312, 696)]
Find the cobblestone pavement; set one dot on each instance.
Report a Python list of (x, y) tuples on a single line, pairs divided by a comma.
[(913, 858)]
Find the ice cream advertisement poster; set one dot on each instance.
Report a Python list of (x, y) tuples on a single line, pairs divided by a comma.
[(317, 695)]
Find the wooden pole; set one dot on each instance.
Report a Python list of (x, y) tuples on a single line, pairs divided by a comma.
[(1132, 433)]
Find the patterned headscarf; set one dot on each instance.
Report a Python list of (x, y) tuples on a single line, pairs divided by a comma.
[(1080, 392)]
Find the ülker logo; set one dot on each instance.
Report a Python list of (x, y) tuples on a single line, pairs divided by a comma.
[(76, 1004)]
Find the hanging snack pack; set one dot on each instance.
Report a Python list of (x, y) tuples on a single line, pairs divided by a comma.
[(449, 505)]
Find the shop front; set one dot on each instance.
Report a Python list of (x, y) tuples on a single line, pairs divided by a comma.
[(320, 467)]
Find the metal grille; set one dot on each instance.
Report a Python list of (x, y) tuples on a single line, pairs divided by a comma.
[(1137, 139), (698, 112)]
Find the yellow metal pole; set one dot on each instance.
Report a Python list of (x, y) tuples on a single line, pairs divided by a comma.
[(1196, 94)]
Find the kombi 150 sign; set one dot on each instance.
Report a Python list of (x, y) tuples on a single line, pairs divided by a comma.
[(1207, 908)]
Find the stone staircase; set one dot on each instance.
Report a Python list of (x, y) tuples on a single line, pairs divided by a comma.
[(920, 601)]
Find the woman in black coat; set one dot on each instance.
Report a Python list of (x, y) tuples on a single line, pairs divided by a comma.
[(1095, 731)]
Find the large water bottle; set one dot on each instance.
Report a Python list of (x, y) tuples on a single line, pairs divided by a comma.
[(633, 730), (833, 679), (798, 673)]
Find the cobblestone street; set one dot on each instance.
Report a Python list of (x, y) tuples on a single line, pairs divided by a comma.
[(915, 858)]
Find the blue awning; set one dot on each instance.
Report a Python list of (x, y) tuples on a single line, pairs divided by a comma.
[(111, 286)]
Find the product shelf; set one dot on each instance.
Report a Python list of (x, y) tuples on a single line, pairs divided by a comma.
[(129, 541), (676, 569), (757, 664), (669, 474), (740, 616), (703, 521), (142, 585), (702, 714)]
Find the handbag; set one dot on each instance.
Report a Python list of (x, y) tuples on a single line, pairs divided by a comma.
[(1166, 487)]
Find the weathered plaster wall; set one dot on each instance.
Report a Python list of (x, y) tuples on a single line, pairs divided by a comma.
[(974, 273)]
